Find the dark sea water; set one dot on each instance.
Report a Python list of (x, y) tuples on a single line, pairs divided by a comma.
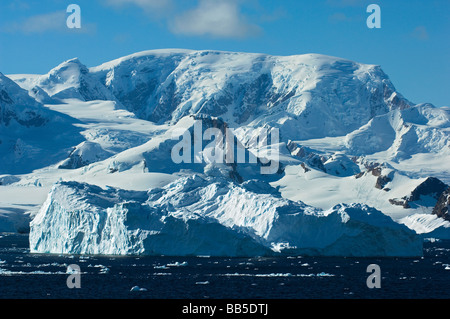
[(36, 276)]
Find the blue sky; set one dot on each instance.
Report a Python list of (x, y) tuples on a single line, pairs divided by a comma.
[(412, 45)]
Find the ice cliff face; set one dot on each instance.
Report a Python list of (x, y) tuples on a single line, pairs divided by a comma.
[(204, 215)]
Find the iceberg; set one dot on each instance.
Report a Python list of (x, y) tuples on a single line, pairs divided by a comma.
[(209, 215)]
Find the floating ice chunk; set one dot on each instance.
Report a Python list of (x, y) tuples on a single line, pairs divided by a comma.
[(274, 275), (73, 269), (104, 270), (161, 267), (324, 274), (177, 264), (137, 289)]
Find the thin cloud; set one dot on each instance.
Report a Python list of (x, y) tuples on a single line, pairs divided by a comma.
[(54, 21), (150, 4), (273, 16), (44, 23), (420, 33), (122, 38), (215, 18), (19, 5), (150, 7), (346, 3), (339, 17)]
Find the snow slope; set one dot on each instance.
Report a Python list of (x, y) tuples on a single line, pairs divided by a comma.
[(401, 133)]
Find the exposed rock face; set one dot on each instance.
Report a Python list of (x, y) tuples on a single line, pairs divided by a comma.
[(309, 156), (399, 202), (443, 205), (431, 187), (382, 181), (383, 172)]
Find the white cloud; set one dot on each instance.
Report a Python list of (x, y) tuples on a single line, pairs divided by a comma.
[(216, 18), (54, 21), (48, 22)]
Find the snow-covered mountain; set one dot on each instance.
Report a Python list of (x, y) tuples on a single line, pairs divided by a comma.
[(355, 160), (17, 108), (70, 79), (310, 95), (27, 131)]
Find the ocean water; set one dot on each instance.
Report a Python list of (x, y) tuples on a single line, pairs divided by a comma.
[(37, 276)]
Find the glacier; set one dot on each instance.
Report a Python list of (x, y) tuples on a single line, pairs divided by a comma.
[(210, 215)]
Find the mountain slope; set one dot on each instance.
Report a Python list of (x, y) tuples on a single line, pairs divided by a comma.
[(311, 95), (401, 133), (17, 108), (27, 131)]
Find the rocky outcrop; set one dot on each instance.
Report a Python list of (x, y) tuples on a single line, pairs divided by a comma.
[(431, 187), (443, 205), (383, 172), (308, 155)]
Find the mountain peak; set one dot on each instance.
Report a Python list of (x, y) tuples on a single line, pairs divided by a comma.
[(71, 79), (314, 91)]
